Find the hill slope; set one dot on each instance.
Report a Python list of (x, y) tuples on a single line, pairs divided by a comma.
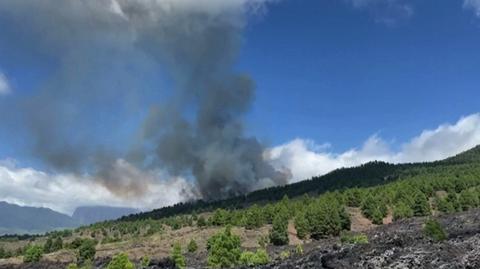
[(20, 219)]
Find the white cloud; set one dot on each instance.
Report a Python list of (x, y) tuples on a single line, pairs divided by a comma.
[(4, 85), (389, 12), (474, 5), (64, 192), (305, 159)]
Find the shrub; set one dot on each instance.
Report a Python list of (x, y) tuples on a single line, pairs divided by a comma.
[(72, 266), (192, 246), (402, 211), (33, 254), (324, 218), (86, 251), (223, 249), (145, 262), (120, 261), (434, 230), (284, 255), (279, 232), (260, 257), (201, 222), (246, 258), (178, 257), (301, 225), (349, 238), (299, 249), (421, 206)]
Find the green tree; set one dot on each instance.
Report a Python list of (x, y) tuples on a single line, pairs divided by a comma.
[(201, 222), (223, 249), (47, 247), (421, 207), (86, 251), (301, 225), (178, 257), (192, 246), (279, 231), (57, 244), (33, 253), (120, 261), (402, 211), (254, 217), (434, 230)]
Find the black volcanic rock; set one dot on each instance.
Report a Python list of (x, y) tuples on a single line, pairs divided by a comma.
[(92, 214), (15, 219)]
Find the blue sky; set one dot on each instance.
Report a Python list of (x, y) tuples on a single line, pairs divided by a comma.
[(330, 72), (338, 83)]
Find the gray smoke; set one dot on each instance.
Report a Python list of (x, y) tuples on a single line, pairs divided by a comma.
[(107, 57)]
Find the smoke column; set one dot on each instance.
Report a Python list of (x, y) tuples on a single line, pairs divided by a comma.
[(105, 57)]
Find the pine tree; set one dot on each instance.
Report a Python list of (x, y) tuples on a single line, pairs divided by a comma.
[(279, 232), (421, 207), (301, 225), (177, 257)]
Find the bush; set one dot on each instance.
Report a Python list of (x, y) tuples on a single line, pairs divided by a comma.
[(260, 257), (72, 266), (145, 262), (301, 225), (299, 249), (120, 261), (201, 222), (421, 207), (192, 246), (178, 257), (33, 254), (402, 211), (325, 218), (223, 249), (279, 232), (284, 255), (86, 251), (349, 238), (434, 230)]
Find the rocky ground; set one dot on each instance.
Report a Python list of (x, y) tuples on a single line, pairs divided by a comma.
[(401, 245), (397, 245)]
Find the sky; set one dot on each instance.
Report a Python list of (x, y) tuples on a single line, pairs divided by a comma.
[(337, 83)]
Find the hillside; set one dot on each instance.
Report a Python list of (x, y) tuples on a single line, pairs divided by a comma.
[(350, 218), (91, 214), (20, 219)]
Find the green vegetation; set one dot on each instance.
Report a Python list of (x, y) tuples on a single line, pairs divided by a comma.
[(33, 254), (279, 232), (223, 249), (259, 257), (145, 262), (434, 230), (86, 251), (192, 246), (120, 261), (350, 238), (177, 257)]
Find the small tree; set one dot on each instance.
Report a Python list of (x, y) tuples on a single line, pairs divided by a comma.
[(120, 261), (279, 232), (402, 211), (301, 225), (223, 249), (33, 254), (192, 246), (57, 244), (201, 222), (421, 207), (178, 257), (434, 230), (47, 247), (86, 251)]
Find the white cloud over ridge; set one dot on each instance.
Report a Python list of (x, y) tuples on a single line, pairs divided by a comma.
[(305, 159)]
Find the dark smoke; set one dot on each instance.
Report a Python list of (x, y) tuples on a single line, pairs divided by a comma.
[(197, 131)]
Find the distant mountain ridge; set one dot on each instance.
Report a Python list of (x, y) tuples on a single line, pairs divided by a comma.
[(91, 214), (15, 219)]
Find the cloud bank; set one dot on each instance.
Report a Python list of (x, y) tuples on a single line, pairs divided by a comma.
[(305, 158)]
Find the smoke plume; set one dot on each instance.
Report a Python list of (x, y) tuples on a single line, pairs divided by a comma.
[(112, 64)]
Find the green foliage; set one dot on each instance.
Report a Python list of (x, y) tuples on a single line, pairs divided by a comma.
[(72, 266), (86, 251), (254, 218), (223, 249), (434, 230), (120, 261), (284, 255), (201, 222), (301, 225), (47, 247), (263, 241), (221, 217), (33, 253), (402, 211), (421, 207), (299, 249), (279, 232), (145, 262), (325, 217), (178, 257), (349, 238), (260, 257), (192, 246), (374, 208)]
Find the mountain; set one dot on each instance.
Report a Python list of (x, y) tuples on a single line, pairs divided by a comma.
[(92, 214), (15, 219)]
